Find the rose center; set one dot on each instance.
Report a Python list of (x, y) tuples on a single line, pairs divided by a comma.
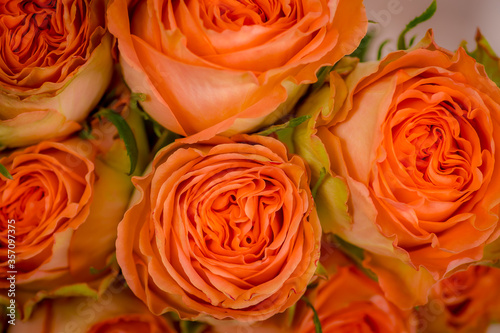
[(26, 203), (236, 217), (426, 141), (434, 146), (234, 14), (36, 34)]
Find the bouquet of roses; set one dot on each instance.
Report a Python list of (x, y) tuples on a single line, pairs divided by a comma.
[(239, 166)]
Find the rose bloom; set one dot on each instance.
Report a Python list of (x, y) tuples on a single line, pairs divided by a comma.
[(62, 195), (214, 67), (225, 228), (351, 302), (416, 144), (464, 302), (55, 65), (117, 310)]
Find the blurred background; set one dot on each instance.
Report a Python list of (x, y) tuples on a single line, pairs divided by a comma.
[(453, 22)]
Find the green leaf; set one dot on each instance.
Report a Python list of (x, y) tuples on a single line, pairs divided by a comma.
[(360, 52), (4, 172), (321, 178), (379, 52), (289, 124), (125, 133), (321, 75), (317, 322), (427, 14), (412, 40)]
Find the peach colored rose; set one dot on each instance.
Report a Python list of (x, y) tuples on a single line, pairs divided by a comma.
[(62, 195), (351, 302), (55, 65), (116, 311), (464, 302), (226, 66), (225, 228), (416, 142)]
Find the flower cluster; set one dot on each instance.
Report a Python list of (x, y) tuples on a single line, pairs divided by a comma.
[(229, 166)]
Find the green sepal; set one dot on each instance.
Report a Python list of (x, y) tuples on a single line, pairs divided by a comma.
[(356, 254), (111, 263), (108, 98), (321, 271), (485, 55), (289, 124), (363, 46), (125, 133), (75, 290), (86, 132), (135, 98), (317, 322), (290, 314), (321, 75), (322, 175), (165, 138), (4, 172), (192, 326), (284, 132), (426, 15)]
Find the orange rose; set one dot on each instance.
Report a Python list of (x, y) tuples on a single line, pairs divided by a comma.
[(55, 65), (116, 311), (225, 228), (60, 198), (416, 141), (226, 66), (462, 303), (351, 302)]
